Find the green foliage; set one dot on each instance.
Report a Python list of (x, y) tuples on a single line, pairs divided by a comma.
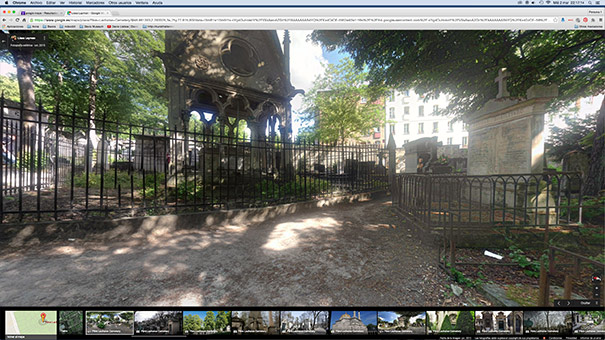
[(128, 316), (466, 322), (464, 63), (530, 267), (222, 320), (273, 189), (192, 322), (123, 177), (101, 325), (341, 104), (9, 87), (592, 209), (209, 321), (28, 162), (447, 324), (461, 278), (597, 316), (578, 135), (130, 78)]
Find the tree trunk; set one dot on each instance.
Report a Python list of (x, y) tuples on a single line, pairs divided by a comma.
[(92, 109), (25, 78), (596, 172), (58, 98)]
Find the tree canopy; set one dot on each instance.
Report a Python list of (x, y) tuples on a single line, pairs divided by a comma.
[(129, 82), (465, 63), (342, 105), (577, 136)]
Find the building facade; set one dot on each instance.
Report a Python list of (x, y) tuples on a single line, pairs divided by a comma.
[(410, 116)]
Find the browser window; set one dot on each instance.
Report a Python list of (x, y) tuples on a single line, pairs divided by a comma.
[(270, 169)]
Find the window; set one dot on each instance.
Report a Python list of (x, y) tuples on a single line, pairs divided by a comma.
[(449, 140), (435, 127), (421, 111), (464, 127), (406, 110), (420, 128), (405, 141), (435, 109), (392, 96), (392, 129), (376, 129), (464, 141), (406, 93), (406, 129), (392, 113), (450, 126)]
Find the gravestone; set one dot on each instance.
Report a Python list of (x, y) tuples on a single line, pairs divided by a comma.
[(419, 153), (574, 161), (152, 152), (507, 135)]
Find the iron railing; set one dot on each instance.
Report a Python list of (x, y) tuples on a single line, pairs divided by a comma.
[(551, 198), (51, 168)]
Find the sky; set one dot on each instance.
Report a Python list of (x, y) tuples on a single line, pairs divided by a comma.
[(307, 61), (298, 314), (145, 315), (201, 314), (390, 316), (367, 317)]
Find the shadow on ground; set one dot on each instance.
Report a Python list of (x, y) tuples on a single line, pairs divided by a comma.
[(356, 254)]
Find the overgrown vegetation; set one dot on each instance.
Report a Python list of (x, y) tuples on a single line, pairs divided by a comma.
[(530, 267), (593, 209), (273, 189)]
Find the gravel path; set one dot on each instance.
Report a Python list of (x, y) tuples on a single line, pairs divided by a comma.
[(350, 254)]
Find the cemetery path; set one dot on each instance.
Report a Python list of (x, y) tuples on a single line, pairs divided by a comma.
[(358, 254)]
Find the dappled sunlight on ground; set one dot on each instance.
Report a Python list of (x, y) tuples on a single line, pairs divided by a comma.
[(347, 254), (67, 250), (287, 235)]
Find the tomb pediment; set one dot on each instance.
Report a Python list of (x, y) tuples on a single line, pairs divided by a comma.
[(251, 60)]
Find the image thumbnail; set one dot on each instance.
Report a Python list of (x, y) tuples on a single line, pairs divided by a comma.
[(589, 322), (206, 322), (413, 322), (158, 323), (304, 322), (27, 322), (451, 322), (264, 322), (109, 322), (542, 322), (499, 322), (71, 322), (345, 322)]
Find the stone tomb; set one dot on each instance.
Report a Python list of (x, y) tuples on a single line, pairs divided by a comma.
[(419, 153), (507, 135)]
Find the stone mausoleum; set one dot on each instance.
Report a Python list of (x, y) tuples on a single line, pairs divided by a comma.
[(230, 76)]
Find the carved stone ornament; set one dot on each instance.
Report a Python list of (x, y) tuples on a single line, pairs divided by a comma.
[(239, 56), (202, 63)]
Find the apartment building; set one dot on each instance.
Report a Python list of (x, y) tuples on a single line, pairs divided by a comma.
[(410, 116)]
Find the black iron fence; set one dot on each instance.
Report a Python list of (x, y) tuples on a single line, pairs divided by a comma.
[(551, 198), (69, 166)]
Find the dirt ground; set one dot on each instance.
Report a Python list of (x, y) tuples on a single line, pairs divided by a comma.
[(358, 254)]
